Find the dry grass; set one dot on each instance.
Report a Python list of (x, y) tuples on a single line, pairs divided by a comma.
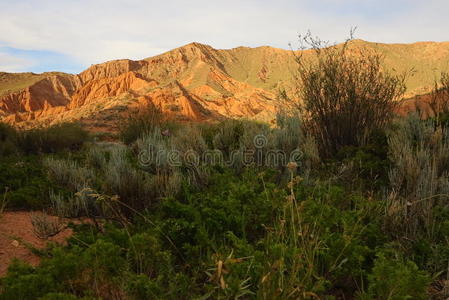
[(44, 226)]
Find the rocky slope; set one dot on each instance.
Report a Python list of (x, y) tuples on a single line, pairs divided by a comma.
[(193, 82)]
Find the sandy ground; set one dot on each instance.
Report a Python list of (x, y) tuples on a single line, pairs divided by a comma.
[(16, 230)]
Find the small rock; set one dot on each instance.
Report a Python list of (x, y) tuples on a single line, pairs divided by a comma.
[(15, 243)]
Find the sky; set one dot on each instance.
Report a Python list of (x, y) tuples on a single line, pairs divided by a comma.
[(71, 35)]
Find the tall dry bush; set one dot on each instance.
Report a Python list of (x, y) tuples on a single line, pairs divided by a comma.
[(344, 93)]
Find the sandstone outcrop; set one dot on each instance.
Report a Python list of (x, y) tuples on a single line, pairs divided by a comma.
[(193, 82)]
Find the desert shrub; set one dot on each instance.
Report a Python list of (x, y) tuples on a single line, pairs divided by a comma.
[(344, 94), (240, 235), (113, 171), (230, 139), (65, 136), (394, 278), (72, 206), (289, 137), (147, 255), (69, 173), (45, 226), (288, 133), (93, 269), (368, 165), (104, 262), (24, 174), (26, 182), (133, 186), (231, 134), (252, 144), (8, 140), (419, 152), (227, 139), (140, 122), (111, 266), (23, 283), (321, 243), (169, 228), (153, 152), (172, 159), (189, 142), (96, 157), (231, 206), (59, 296)]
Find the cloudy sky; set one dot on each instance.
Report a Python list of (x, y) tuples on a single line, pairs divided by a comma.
[(70, 35)]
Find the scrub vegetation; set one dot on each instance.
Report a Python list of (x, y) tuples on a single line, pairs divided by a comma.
[(361, 212)]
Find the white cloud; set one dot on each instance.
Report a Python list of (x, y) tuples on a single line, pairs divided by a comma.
[(98, 30)]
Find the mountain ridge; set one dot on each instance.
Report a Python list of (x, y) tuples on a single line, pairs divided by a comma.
[(191, 82)]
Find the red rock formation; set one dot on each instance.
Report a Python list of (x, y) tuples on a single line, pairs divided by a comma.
[(48, 92), (194, 82)]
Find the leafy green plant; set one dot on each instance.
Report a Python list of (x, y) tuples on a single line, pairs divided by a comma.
[(395, 279), (26, 182)]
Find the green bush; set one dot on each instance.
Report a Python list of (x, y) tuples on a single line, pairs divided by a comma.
[(24, 181), (59, 296), (396, 279), (8, 140), (229, 206), (369, 164), (322, 243), (23, 282), (69, 174), (65, 136), (418, 178), (143, 121)]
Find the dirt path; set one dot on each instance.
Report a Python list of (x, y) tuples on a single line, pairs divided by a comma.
[(16, 227)]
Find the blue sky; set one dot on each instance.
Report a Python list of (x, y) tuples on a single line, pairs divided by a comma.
[(70, 35)]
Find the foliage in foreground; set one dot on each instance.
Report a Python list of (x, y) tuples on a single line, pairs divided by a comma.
[(367, 222), (243, 237), (244, 233)]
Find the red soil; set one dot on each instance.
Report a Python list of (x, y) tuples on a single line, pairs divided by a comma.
[(16, 231)]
